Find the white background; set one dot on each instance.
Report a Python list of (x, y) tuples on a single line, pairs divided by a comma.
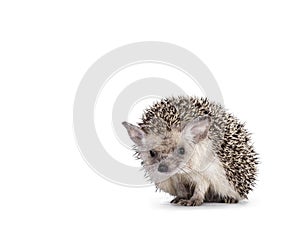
[(252, 48)]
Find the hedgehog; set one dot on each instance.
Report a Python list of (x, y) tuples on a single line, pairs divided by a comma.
[(195, 150)]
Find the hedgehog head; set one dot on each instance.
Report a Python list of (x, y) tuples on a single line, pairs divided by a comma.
[(167, 153)]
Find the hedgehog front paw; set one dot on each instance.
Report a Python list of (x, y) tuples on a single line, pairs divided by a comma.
[(175, 200), (190, 202)]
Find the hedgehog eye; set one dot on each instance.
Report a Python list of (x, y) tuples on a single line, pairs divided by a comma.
[(153, 153), (181, 151)]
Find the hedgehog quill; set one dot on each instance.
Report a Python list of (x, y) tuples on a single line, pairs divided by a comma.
[(195, 150)]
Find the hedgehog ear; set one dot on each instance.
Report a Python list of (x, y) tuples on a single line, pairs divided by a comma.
[(135, 133), (197, 129)]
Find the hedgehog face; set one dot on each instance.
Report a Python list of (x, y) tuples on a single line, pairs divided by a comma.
[(164, 155)]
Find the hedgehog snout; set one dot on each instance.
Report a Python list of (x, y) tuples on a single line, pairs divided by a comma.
[(163, 168)]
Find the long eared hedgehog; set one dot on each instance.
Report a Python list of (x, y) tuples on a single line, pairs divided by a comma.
[(195, 150)]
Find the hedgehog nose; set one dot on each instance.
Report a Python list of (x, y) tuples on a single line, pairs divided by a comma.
[(163, 168)]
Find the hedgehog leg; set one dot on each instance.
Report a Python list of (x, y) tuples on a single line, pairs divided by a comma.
[(211, 196), (183, 191), (198, 195)]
